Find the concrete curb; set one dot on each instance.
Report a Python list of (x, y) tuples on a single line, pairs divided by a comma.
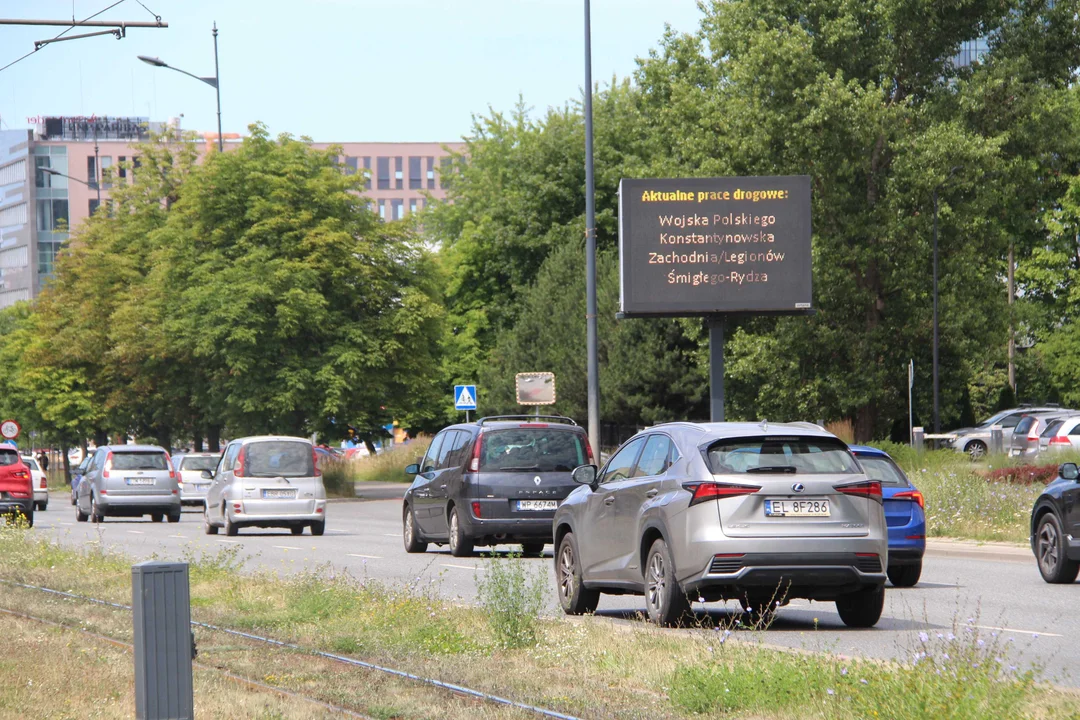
[(999, 551)]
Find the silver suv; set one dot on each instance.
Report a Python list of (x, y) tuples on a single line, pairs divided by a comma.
[(266, 481), (758, 512), (129, 481)]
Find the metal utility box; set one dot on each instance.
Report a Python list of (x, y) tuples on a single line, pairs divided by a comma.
[(161, 602)]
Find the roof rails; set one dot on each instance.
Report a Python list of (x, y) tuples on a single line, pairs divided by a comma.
[(526, 418)]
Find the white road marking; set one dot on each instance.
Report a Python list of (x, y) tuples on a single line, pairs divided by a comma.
[(66, 523), (368, 557), (182, 537), (338, 532), (286, 547), (227, 541), (136, 532), (460, 567), (391, 534), (1014, 630)]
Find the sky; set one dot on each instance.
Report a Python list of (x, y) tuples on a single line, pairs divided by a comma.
[(333, 70)]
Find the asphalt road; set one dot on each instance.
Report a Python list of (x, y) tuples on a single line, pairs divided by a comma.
[(999, 591)]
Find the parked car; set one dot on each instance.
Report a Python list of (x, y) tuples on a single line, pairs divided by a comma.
[(39, 481), (16, 489), (1026, 434), (756, 512), (905, 515), (77, 473), (1062, 434), (128, 481), (193, 485), (266, 481), (1055, 527), (976, 441), (497, 480)]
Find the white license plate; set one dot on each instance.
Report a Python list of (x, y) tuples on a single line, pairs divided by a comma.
[(200, 488), (279, 494), (537, 504), (139, 481), (796, 508)]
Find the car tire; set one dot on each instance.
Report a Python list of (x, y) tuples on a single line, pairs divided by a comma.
[(318, 528), (157, 517), (862, 609), (532, 549), (976, 449), (231, 528), (667, 604), (460, 544), (96, 514), (905, 576), (574, 597), (208, 527), (80, 516), (173, 517), (409, 532), (1051, 552), (296, 529)]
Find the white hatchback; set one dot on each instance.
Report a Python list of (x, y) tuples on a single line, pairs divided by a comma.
[(39, 481)]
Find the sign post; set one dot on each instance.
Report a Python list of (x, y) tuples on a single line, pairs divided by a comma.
[(715, 248), (465, 399)]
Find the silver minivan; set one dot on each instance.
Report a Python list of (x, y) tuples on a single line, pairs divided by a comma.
[(128, 481), (193, 485), (266, 481)]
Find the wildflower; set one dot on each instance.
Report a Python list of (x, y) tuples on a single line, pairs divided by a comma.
[(950, 637), (923, 637), (940, 636), (864, 681), (980, 642), (1035, 636), (843, 671), (830, 691), (700, 599)]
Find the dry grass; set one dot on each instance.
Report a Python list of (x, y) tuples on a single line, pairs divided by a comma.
[(389, 466)]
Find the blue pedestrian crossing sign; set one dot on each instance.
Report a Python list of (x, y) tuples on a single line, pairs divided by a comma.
[(464, 397)]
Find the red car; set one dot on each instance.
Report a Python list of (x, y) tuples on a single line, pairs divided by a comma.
[(16, 487)]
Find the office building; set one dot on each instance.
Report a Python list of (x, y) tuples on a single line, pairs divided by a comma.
[(87, 156)]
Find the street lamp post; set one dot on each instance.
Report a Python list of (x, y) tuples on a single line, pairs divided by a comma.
[(214, 82), (937, 415), (591, 340), (57, 173)]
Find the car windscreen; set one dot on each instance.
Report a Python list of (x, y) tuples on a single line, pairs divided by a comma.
[(199, 463), (139, 461), (531, 450), (995, 419), (883, 470), (278, 458), (807, 455), (9, 457)]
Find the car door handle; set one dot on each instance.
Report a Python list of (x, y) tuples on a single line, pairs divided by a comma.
[(651, 493), (608, 500)]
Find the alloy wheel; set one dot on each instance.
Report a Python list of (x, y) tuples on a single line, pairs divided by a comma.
[(408, 528), (657, 584), (1048, 548), (453, 532), (566, 571)]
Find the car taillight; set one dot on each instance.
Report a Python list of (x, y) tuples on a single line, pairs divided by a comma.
[(172, 471), (715, 491), (238, 468), (44, 482), (474, 464), (315, 463), (1060, 440), (870, 489), (913, 495), (533, 425), (108, 465), (476, 511), (21, 474), (588, 452)]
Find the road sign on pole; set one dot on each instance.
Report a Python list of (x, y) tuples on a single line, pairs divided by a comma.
[(464, 397), (10, 429)]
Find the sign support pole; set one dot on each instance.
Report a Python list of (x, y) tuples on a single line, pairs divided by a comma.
[(592, 361), (716, 368)]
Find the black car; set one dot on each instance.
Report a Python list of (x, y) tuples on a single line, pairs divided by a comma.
[(1055, 527), (498, 480)]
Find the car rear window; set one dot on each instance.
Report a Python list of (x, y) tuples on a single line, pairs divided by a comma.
[(198, 463), (1024, 425), (883, 470), (807, 455), (139, 461), (30, 463), (532, 450), (278, 458), (9, 457), (1051, 428)]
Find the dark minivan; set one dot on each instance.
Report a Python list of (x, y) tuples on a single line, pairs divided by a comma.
[(498, 480)]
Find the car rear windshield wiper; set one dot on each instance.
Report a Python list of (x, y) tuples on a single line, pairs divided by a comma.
[(515, 469), (785, 469)]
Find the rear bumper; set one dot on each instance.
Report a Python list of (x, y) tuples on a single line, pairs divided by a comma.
[(817, 576), (41, 495), (138, 504), (192, 497), (317, 513), (539, 528), (11, 505), (907, 543)]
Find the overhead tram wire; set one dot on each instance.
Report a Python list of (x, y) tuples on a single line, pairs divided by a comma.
[(66, 31)]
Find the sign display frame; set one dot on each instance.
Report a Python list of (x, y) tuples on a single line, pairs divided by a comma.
[(698, 247), (534, 387)]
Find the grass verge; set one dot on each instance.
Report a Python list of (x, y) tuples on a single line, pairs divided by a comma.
[(389, 466), (589, 669)]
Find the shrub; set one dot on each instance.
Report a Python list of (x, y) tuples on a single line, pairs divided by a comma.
[(339, 478), (389, 465), (1024, 474), (512, 596)]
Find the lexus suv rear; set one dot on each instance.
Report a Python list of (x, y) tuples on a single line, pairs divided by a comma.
[(498, 480), (16, 490), (760, 513)]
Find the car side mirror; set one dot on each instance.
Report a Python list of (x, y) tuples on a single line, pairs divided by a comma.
[(584, 475), (206, 475), (1069, 471), (413, 469)]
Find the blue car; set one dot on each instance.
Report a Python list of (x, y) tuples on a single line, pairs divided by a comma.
[(904, 515)]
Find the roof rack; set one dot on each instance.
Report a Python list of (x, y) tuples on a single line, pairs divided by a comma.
[(498, 418)]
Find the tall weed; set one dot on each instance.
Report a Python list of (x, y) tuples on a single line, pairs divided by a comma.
[(511, 594)]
